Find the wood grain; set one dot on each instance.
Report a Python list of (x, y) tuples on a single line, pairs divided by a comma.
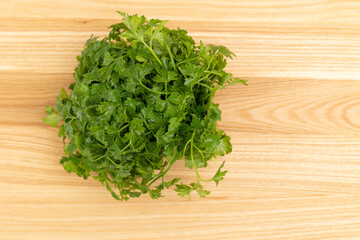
[(295, 168)]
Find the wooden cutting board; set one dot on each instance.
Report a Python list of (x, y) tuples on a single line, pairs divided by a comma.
[(295, 168)]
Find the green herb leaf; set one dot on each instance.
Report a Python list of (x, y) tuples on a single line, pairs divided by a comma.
[(183, 190), (52, 118), (142, 101), (219, 175)]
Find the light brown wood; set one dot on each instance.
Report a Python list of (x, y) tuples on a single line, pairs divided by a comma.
[(295, 168)]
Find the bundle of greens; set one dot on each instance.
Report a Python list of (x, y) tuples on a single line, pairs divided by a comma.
[(142, 100)]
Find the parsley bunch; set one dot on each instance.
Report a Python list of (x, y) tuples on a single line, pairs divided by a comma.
[(142, 100)]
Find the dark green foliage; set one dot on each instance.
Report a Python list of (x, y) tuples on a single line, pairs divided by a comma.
[(142, 100)]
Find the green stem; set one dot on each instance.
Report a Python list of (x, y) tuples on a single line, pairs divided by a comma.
[(100, 157), (201, 152), (188, 60), (208, 180), (123, 128), (147, 125), (89, 107), (216, 73), (186, 147), (192, 158), (204, 77), (112, 161), (148, 47), (151, 90), (173, 63), (171, 164), (171, 56), (212, 94), (166, 90), (202, 155), (122, 150), (161, 174), (204, 85)]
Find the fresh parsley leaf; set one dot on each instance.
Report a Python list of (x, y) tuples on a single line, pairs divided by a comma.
[(142, 100), (183, 190), (219, 175), (52, 118)]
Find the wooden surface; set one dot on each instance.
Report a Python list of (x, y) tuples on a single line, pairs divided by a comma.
[(295, 168)]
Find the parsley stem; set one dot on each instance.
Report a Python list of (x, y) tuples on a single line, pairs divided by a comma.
[(89, 107), (171, 56), (173, 63), (202, 155), (201, 152), (100, 157), (216, 73), (172, 163), (186, 147), (204, 77), (192, 158), (188, 60), (161, 174), (147, 125), (108, 157), (148, 47), (207, 180), (153, 53), (122, 150), (166, 90), (212, 94), (123, 128), (151, 90), (204, 85)]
